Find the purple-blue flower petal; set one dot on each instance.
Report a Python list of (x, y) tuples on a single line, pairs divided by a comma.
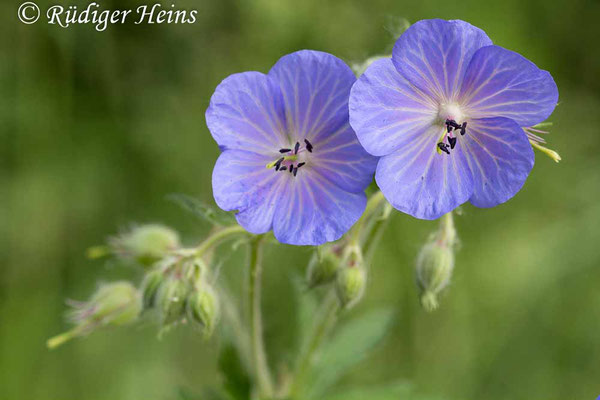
[(500, 158), (315, 88), (386, 111), (421, 182), (434, 54), (247, 111), (242, 183), (343, 161), (314, 211), (502, 83)]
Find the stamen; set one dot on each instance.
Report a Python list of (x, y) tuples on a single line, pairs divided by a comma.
[(443, 147), (300, 164), (275, 163), (309, 146), (452, 141), (284, 150), (452, 123), (463, 128), (283, 168), (291, 169), (295, 171), (296, 148)]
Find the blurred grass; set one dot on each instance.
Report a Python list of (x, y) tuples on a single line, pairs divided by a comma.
[(97, 128)]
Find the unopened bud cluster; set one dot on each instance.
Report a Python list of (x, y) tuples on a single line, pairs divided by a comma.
[(175, 286), (435, 263), (179, 291), (341, 266)]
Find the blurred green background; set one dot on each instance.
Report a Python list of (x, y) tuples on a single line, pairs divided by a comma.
[(98, 127)]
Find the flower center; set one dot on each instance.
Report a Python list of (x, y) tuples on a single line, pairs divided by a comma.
[(449, 114), (450, 111), (292, 159)]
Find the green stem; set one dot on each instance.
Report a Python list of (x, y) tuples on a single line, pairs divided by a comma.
[(374, 235), (60, 339), (326, 318), (217, 238), (258, 355), (373, 204), (447, 230)]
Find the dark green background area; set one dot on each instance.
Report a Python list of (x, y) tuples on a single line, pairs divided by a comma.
[(97, 128)]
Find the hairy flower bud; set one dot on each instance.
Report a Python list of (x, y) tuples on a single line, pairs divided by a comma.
[(150, 287), (116, 303), (322, 267), (170, 299), (436, 262), (350, 285), (146, 244), (434, 270), (203, 308)]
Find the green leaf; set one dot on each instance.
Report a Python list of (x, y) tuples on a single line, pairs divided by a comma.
[(236, 381), (307, 305), (203, 211), (348, 347), (393, 391)]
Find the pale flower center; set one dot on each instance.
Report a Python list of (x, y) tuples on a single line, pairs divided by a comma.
[(450, 111)]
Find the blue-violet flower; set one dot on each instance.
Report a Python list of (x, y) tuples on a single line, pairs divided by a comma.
[(446, 115), (290, 161)]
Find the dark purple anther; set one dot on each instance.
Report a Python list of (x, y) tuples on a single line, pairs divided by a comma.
[(443, 147), (452, 141), (309, 146), (296, 148)]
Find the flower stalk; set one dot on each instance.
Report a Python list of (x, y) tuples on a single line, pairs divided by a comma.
[(257, 347), (217, 238)]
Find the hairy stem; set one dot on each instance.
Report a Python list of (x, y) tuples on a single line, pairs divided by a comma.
[(374, 234), (373, 204), (217, 238), (258, 355), (447, 231)]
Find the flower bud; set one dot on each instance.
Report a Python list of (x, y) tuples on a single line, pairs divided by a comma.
[(117, 303), (203, 308), (434, 270), (170, 299), (150, 286), (147, 244), (322, 267), (350, 285)]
